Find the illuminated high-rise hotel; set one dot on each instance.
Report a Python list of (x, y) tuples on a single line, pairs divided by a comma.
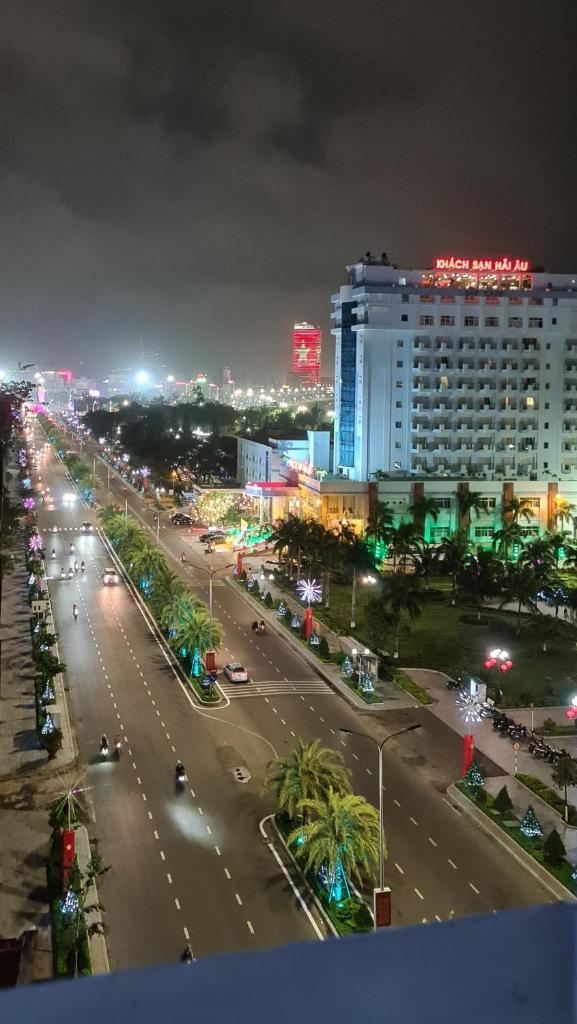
[(467, 369)]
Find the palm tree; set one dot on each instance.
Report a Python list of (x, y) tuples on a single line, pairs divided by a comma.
[(290, 535), (425, 559), (341, 837), (452, 554), (168, 586), (324, 548), (469, 501), (356, 556), (309, 772), (539, 555), (508, 536), (564, 775), (401, 543), (147, 565), (380, 523), (481, 577), (559, 542), (106, 514), (177, 607), (195, 629), (422, 508), (564, 512), (518, 508), (400, 596), (523, 586)]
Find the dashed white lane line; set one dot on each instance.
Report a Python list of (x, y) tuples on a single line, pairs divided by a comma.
[(192, 793), (293, 734), (250, 927), (437, 918), (227, 872), (144, 797), (169, 878), (217, 851), (162, 855), (356, 757), (395, 801), (133, 764), (176, 903), (200, 810), (474, 888), (283, 721), (155, 834), (238, 899), (150, 815), (414, 822), (432, 841), (333, 731), (419, 894), (368, 771), (208, 830), (452, 863), (186, 935), (399, 869), (138, 780), (266, 700), (275, 711)]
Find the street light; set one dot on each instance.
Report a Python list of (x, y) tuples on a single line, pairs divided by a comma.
[(379, 746)]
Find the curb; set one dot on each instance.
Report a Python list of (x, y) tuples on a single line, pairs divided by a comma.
[(97, 943), (300, 874), (557, 889), (334, 684)]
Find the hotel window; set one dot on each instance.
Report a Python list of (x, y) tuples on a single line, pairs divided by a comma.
[(405, 298), (484, 531), (404, 318), (553, 320), (426, 321), (533, 502), (399, 364), (471, 321), (491, 321), (398, 424), (515, 321), (529, 402), (400, 344), (535, 321), (444, 382), (488, 503), (447, 321)]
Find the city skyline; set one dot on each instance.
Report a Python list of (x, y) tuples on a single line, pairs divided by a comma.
[(197, 205)]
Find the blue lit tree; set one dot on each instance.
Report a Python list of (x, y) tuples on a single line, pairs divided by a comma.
[(530, 826)]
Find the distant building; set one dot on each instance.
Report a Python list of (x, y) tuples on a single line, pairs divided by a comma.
[(307, 344)]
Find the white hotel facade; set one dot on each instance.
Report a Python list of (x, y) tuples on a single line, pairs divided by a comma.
[(468, 370)]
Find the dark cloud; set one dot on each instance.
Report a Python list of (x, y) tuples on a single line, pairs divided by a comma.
[(194, 176)]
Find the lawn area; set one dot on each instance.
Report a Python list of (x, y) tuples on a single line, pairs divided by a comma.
[(440, 640)]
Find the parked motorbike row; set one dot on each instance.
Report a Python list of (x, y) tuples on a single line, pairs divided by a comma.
[(536, 746), (508, 726)]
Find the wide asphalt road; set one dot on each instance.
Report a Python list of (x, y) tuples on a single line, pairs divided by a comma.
[(439, 864), (188, 864)]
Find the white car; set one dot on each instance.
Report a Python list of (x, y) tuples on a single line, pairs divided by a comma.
[(110, 577), (235, 672), (86, 527)]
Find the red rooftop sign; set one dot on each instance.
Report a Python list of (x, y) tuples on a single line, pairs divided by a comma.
[(502, 266)]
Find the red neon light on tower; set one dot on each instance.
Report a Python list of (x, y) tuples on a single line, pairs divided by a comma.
[(307, 343)]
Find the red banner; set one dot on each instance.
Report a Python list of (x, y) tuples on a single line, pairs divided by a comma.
[(468, 754), (67, 855)]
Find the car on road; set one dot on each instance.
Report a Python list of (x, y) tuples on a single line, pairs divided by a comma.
[(215, 536), (236, 672), (86, 527), (110, 577), (180, 519)]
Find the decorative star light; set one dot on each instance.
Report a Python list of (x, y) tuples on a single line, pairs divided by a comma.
[(28, 503), (309, 591), (469, 707), (35, 542), (144, 472)]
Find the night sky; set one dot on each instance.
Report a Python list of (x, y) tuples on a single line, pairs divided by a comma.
[(193, 176)]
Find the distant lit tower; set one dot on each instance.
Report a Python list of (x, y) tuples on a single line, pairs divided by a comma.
[(307, 344), (227, 384)]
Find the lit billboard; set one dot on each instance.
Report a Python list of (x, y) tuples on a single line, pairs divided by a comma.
[(307, 342)]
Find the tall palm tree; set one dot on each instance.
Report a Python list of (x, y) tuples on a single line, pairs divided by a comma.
[(518, 508), (309, 772), (508, 536), (481, 577), (177, 607), (341, 836), (106, 514), (147, 565), (522, 585), (453, 552), (425, 559), (401, 542), (168, 586), (559, 542), (380, 523), (422, 509), (195, 629), (564, 512), (400, 597), (469, 501), (324, 549), (290, 535), (358, 558), (539, 555)]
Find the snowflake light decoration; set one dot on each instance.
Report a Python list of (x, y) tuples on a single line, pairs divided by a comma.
[(28, 503), (309, 591), (469, 707), (144, 472), (35, 542)]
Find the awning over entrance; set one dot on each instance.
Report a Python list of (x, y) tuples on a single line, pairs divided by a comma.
[(271, 489)]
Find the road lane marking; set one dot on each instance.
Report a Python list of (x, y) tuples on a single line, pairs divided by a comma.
[(283, 721), (150, 816), (176, 903), (399, 869), (250, 927), (238, 899), (200, 810), (432, 841), (332, 730), (169, 878), (437, 918), (217, 851), (419, 894), (395, 801), (134, 764), (293, 734), (414, 822), (162, 855), (186, 935), (227, 872), (155, 834), (192, 793), (452, 863), (356, 757), (449, 804), (138, 780), (144, 797), (474, 888), (208, 830)]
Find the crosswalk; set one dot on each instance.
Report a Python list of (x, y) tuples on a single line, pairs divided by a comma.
[(275, 688)]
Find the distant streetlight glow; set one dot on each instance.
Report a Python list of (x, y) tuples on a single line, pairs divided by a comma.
[(142, 377)]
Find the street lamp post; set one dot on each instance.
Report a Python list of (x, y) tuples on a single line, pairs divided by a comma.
[(379, 746)]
